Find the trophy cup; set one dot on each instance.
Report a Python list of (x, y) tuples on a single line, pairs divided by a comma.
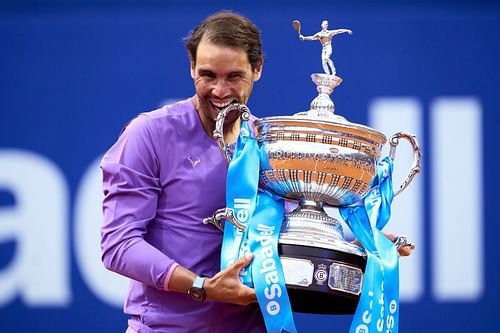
[(318, 159)]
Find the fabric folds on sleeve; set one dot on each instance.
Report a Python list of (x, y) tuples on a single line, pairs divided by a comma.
[(131, 188)]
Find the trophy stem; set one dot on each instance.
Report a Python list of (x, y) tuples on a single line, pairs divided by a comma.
[(309, 219), (311, 204), (322, 105)]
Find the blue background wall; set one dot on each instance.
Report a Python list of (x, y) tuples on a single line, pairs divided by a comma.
[(72, 73)]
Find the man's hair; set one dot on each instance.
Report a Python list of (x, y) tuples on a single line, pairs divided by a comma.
[(229, 29)]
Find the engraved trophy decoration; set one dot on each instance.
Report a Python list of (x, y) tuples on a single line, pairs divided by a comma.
[(317, 158)]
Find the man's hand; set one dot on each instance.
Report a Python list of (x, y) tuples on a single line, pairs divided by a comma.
[(227, 287), (404, 247), (404, 250)]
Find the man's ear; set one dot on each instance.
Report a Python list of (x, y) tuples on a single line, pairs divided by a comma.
[(257, 72)]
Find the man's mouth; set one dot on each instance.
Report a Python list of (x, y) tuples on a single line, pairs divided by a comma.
[(221, 105)]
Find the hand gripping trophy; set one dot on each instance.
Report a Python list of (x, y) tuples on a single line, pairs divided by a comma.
[(318, 158)]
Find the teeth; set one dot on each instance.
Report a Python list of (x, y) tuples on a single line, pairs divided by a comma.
[(222, 105)]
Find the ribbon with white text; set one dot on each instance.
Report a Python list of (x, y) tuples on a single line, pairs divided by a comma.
[(262, 214), (241, 196), (378, 307)]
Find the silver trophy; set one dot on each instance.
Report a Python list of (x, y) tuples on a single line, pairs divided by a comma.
[(318, 159)]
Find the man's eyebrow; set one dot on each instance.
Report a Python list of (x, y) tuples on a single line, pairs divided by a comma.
[(205, 71), (237, 73)]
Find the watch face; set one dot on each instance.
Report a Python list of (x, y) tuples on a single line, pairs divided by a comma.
[(197, 292)]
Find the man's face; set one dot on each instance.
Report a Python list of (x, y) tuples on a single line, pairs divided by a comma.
[(324, 25), (222, 75)]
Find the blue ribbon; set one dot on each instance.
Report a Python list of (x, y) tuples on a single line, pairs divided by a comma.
[(267, 271), (378, 307), (241, 197), (262, 214)]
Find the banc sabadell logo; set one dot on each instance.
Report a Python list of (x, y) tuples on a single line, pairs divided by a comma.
[(39, 215)]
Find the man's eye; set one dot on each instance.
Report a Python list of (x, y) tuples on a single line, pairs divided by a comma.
[(235, 76), (207, 75)]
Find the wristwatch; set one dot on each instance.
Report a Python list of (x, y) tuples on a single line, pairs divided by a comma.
[(196, 291)]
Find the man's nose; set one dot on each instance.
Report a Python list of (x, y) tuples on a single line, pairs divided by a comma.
[(221, 88)]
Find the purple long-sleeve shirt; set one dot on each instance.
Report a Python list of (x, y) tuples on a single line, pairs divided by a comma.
[(161, 178)]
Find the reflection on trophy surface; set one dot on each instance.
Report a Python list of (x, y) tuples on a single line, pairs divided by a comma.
[(318, 159)]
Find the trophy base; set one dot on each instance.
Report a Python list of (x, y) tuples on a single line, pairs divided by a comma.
[(321, 280)]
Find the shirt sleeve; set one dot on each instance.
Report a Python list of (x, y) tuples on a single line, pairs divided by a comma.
[(131, 187)]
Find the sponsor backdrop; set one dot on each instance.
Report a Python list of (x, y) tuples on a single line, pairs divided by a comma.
[(72, 74)]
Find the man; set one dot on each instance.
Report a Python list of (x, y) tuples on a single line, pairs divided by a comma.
[(325, 36), (164, 175)]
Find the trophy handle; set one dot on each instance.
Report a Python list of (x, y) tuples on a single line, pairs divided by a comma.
[(221, 215), (417, 154), (218, 134)]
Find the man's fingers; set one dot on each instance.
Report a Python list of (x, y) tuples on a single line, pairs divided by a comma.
[(242, 262), (404, 247), (252, 298), (405, 251)]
